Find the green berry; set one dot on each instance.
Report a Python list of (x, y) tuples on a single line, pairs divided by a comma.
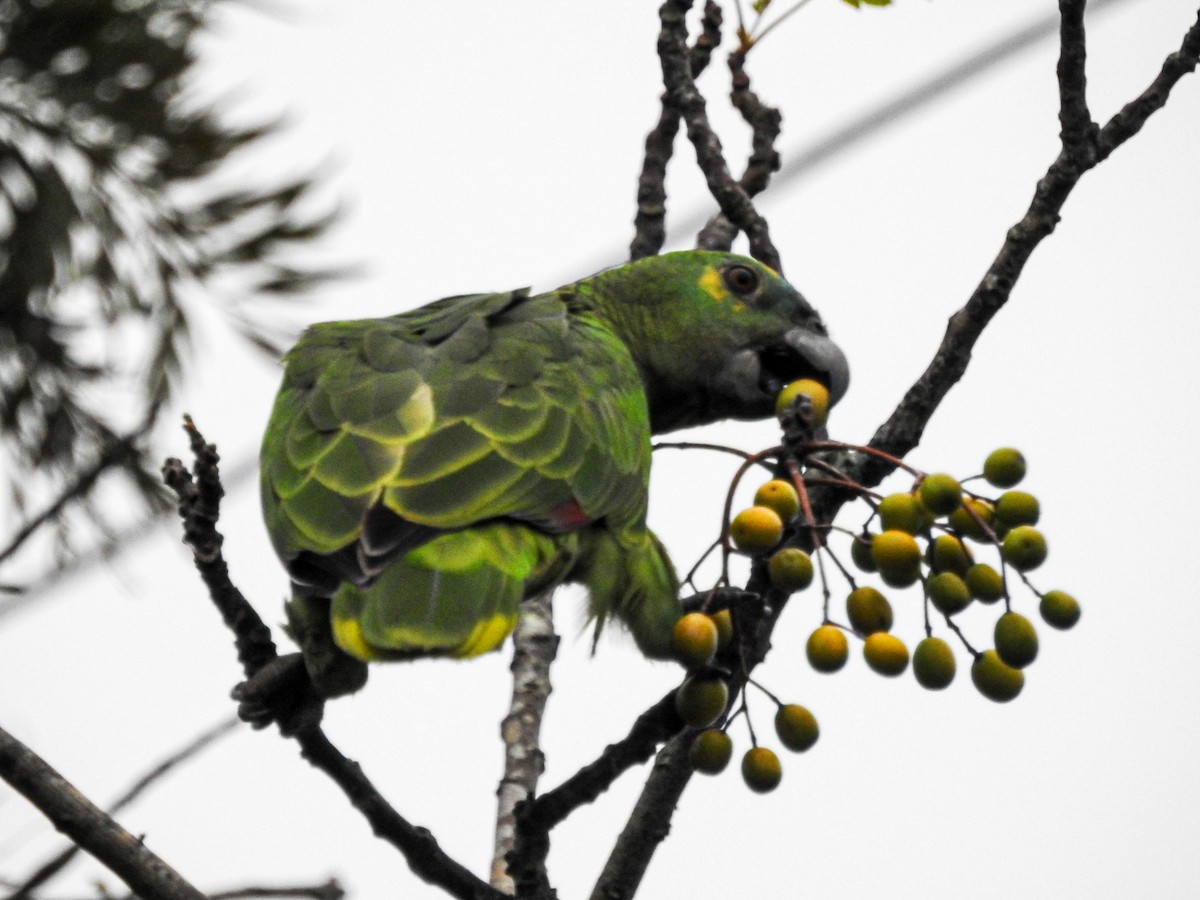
[(860, 552), (940, 493), (1059, 609), (761, 770), (791, 569), (885, 653), (900, 512), (994, 679), (948, 593), (710, 751), (868, 610), (816, 392), (700, 700), (796, 727), (827, 648), (933, 664), (780, 496), (1016, 640), (1024, 548), (723, 619), (948, 554), (1004, 468), (1017, 508), (985, 583), (898, 557), (969, 526)]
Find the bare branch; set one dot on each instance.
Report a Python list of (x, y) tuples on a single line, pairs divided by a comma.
[(649, 223), (681, 88), (52, 867), (535, 646), (1078, 129), (199, 506), (87, 825)]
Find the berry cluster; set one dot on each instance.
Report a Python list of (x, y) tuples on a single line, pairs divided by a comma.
[(927, 536)]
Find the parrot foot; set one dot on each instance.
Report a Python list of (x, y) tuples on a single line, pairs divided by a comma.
[(282, 692)]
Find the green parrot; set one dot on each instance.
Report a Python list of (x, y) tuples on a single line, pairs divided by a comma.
[(424, 472)]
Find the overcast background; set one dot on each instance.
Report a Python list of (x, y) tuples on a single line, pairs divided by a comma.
[(478, 146)]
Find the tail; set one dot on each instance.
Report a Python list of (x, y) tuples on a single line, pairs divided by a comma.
[(634, 581)]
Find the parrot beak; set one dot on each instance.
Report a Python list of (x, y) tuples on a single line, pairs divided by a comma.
[(824, 357)]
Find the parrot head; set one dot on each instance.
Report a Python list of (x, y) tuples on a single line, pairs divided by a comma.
[(716, 336)]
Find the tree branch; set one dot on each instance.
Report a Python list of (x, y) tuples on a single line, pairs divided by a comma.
[(735, 203), (87, 825), (534, 647), (199, 495)]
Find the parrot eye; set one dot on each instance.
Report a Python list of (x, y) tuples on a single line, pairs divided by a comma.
[(741, 279)]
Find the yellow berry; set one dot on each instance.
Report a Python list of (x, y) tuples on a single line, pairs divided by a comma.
[(1059, 609), (898, 557), (816, 392), (948, 593), (1016, 640), (868, 610), (940, 493), (694, 640), (885, 653), (967, 525), (761, 769), (780, 496), (827, 649), (700, 700), (933, 664), (994, 679), (710, 751), (723, 619), (1024, 548), (1017, 508), (791, 569), (796, 727), (1004, 468), (985, 583), (756, 530), (900, 511)]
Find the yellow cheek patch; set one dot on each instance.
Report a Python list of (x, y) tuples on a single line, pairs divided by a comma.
[(713, 284)]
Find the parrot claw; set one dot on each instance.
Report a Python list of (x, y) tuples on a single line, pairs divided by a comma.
[(282, 692)]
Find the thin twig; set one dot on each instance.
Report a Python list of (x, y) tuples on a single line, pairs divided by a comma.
[(89, 826)]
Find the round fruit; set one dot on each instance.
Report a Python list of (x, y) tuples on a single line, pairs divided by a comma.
[(796, 727), (941, 493), (700, 700), (994, 679), (1004, 467), (780, 496), (756, 530), (694, 640), (901, 512), (723, 619), (827, 649), (710, 751), (898, 557), (868, 610), (761, 770), (885, 653), (933, 664), (813, 390), (860, 552), (948, 554), (1059, 609), (1017, 508), (1016, 640), (966, 524), (948, 593), (791, 569), (985, 583), (1024, 548)]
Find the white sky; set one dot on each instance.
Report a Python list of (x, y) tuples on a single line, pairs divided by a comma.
[(485, 146)]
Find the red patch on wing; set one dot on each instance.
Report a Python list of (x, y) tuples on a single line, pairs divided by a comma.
[(570, 516)]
